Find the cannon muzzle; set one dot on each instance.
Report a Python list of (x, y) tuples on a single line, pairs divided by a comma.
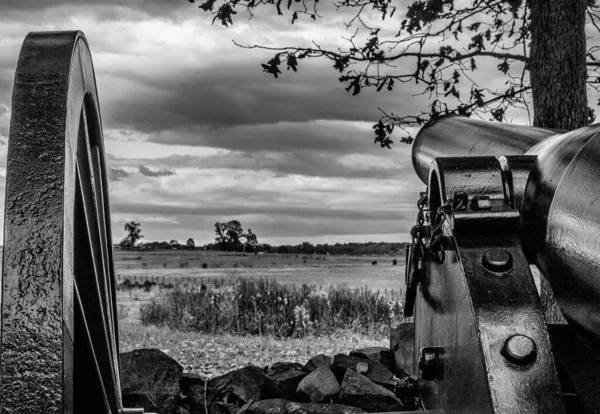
[(557, 193)]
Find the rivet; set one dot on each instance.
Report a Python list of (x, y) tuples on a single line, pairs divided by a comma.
[(481, 203), (497, 260), (519, 349)]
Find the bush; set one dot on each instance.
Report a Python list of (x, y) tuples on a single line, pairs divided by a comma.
[(264, 307)]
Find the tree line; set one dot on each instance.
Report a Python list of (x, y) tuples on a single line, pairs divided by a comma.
[(230, 236)]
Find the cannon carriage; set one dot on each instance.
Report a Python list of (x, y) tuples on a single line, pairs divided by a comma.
[(500, 198)]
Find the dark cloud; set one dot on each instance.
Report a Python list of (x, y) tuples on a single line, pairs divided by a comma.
[(117, 174), (107, 8), (239, 94), (149, 173)]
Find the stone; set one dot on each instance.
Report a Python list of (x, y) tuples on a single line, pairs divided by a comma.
[(317, 361), (359, 391), (150, 380), (402, 344), (227, 393), (188, 379), (319, 386), (270, 406), (376, 372), (285, 377), (378, 354), (312, 408)]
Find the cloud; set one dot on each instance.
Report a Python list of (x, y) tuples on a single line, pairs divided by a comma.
[(117, 174), (149, 173), (238, 94)]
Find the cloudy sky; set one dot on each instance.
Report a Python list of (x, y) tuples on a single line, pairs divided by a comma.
[(195, 133)]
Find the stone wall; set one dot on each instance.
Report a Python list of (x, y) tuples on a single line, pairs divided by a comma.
[(365, 381)]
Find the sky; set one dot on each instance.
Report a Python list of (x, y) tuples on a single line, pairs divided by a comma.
[(196, 133)]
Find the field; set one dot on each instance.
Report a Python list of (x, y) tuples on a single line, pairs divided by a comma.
[(186, 266), (211, 355)]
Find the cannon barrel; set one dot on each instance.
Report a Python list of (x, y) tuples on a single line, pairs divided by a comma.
[(558, 197)]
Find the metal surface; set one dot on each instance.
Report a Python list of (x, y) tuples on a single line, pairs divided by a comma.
[(553, 184), (459, 136), (571, 252), (475, 314), (59, 347)]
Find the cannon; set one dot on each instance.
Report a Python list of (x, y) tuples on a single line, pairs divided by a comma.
[(500, 201), (59, 348)]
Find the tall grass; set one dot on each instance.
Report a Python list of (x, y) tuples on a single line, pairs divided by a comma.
[(264, 307)]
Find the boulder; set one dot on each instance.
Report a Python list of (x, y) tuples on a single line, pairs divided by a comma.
[(270, 406), (150, 380), (375, 371), (402, 344), (205, 399), (359, 391), (228, 392), (188, 379), (317, 361), (378, 354), (319, 386), (312, 408), (285, 377)]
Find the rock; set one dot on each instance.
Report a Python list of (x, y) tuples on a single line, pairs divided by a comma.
[(359, 391), (150, 380), (227, 393), (270, 406), (319, 386), (311, 408), (378, 354), (317, 361), (188, 379), (285, 377), (246, 383), (204, 399), (376, 372), (402, 344)]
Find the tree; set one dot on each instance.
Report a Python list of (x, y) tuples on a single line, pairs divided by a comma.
[(229, 235), (134, 233), (537, 46), (190, 244), (251, 240)]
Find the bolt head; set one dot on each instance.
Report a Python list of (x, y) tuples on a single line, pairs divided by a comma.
[(519, 349), (481, 203), (497, 260)]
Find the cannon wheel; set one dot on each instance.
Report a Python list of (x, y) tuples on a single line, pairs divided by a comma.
[(59, 344)]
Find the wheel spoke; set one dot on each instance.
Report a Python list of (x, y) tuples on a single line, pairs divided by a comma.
[(90, 264), (88, 361)]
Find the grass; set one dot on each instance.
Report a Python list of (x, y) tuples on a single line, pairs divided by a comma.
[(157, 259), (262, 306), (213, 355)]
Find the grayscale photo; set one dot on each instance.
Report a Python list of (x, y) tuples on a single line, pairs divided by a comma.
[(299, 206)]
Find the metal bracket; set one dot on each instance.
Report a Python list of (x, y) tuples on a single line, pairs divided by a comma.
[(480, 305)]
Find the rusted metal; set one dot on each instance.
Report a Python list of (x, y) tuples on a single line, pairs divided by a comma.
[(59, 336)]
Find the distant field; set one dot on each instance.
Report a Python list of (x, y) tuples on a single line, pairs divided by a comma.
[(355, 271)]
